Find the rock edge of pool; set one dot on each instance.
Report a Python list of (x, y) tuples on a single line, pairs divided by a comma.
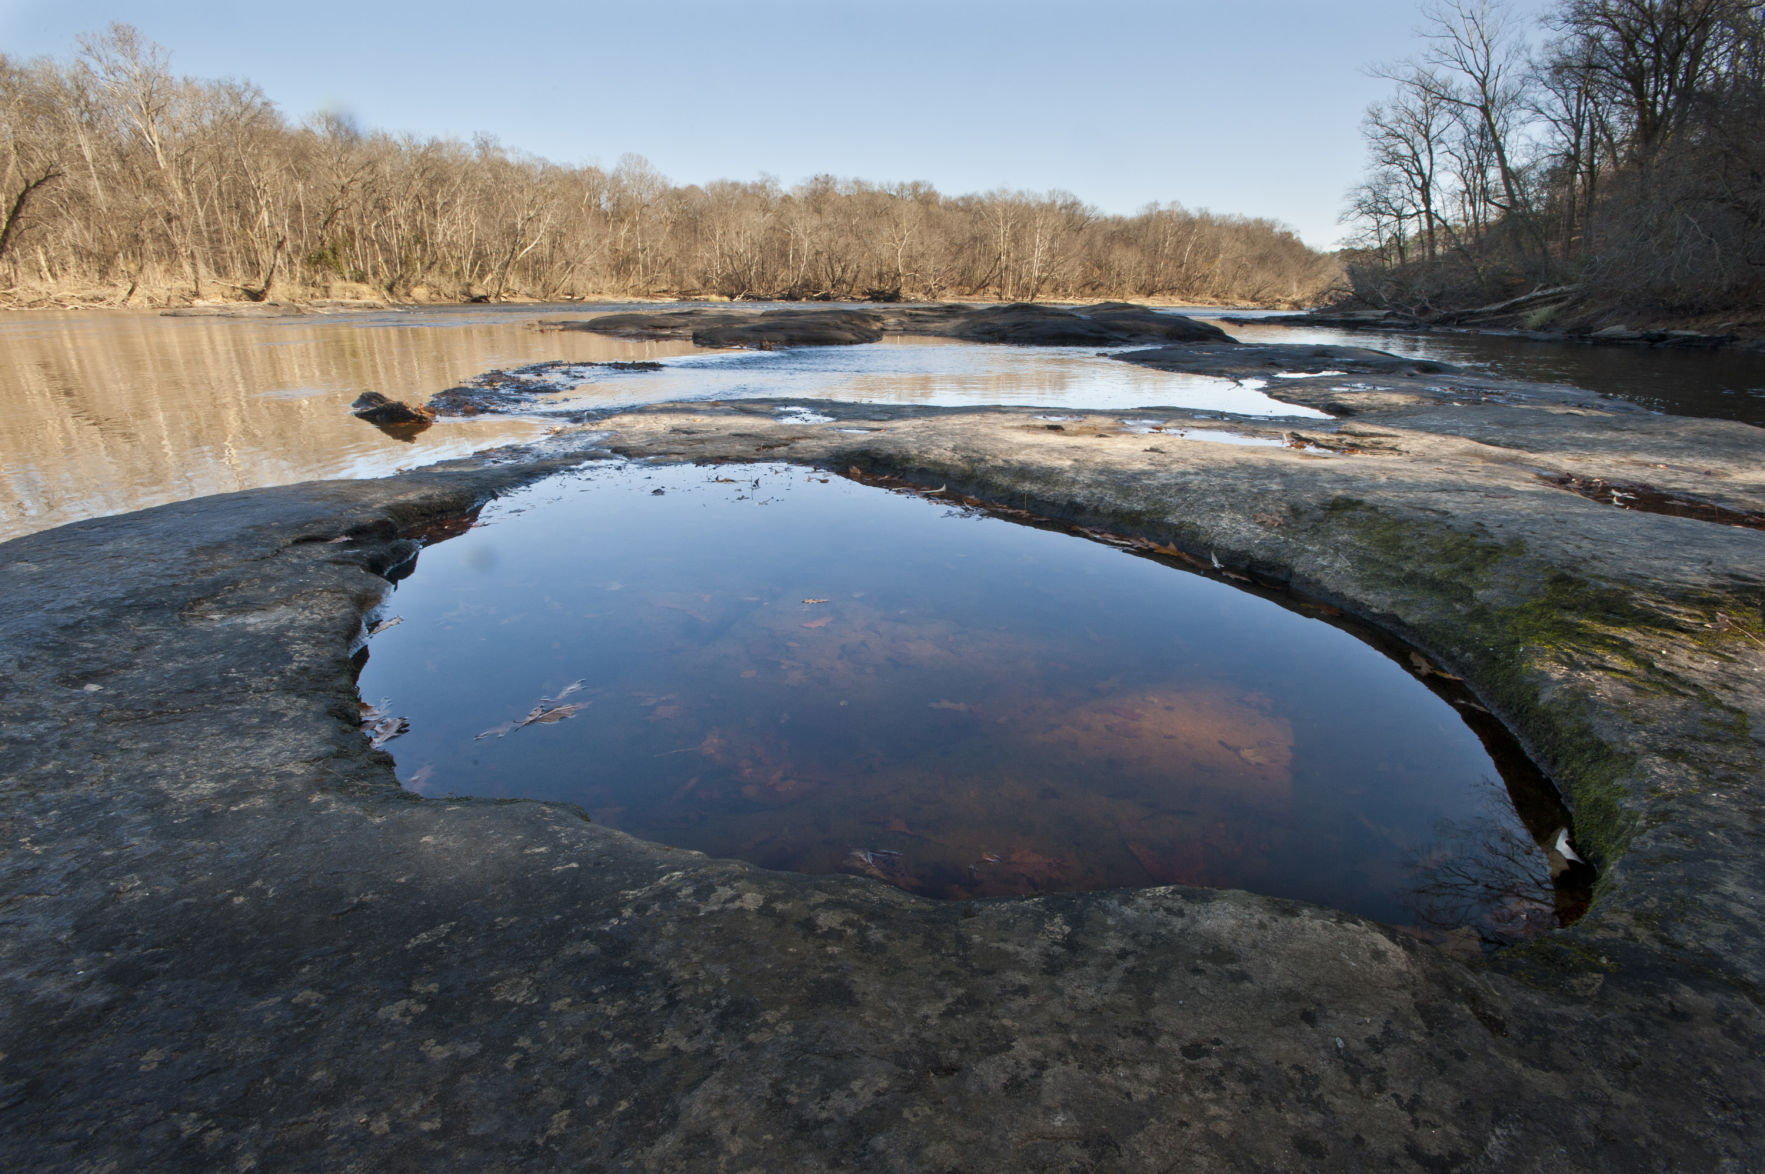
[(232, 940)]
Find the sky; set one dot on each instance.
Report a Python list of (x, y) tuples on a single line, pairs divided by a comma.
[(1250, 107)]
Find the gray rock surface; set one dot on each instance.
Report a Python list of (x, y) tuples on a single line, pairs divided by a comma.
[(232, 941)]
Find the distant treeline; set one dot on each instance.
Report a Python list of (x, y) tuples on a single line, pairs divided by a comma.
[(120, 181), (1618, 148)]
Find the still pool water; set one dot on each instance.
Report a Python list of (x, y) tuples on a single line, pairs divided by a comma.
[(811, 674)]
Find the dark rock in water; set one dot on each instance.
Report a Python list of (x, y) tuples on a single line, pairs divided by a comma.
[(390, 413), (1109, 324), (782, 328), (1023, 323), (521, 387), (747, 328)]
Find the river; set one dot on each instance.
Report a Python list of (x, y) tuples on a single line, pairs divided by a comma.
[(113, 411)]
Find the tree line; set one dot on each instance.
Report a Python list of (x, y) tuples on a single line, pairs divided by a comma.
[(122, 182), (1617, 146)]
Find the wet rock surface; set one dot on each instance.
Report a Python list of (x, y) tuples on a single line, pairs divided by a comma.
[(520, 387), (232, 940), (1027, 324)]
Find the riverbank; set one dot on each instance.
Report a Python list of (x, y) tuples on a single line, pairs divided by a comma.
[(233, 939), (365, 298)]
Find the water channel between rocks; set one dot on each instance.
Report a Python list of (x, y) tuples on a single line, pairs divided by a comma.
[(773, 664)]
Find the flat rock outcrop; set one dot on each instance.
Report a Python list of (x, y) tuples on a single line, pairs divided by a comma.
[(232, 941)]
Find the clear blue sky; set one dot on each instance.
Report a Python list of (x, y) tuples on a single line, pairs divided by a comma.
[(1249, 107)]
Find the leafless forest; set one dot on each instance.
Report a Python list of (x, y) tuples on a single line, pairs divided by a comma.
[(1617, 149), (123, 182)]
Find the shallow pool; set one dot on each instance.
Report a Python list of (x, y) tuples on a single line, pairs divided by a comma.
[(774, 664)]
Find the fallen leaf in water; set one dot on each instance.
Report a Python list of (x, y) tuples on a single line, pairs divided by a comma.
[(958, 706), (539, 715), (421, 777), (815, 601), (664, 712), (380, 627), (823, 622), (750, 674), (386, 729), (575, 686)]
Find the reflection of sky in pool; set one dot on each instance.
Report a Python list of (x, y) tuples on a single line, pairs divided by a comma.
[(810, 674)]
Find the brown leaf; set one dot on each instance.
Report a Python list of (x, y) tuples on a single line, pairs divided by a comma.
[(385, 730), (823, 622)]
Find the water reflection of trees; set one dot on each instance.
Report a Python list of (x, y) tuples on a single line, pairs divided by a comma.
[(1495, 877)]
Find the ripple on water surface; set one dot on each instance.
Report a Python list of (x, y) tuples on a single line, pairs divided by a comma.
[(811, 674)]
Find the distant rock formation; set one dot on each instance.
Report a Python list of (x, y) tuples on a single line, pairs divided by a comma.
[(1022, 324)]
